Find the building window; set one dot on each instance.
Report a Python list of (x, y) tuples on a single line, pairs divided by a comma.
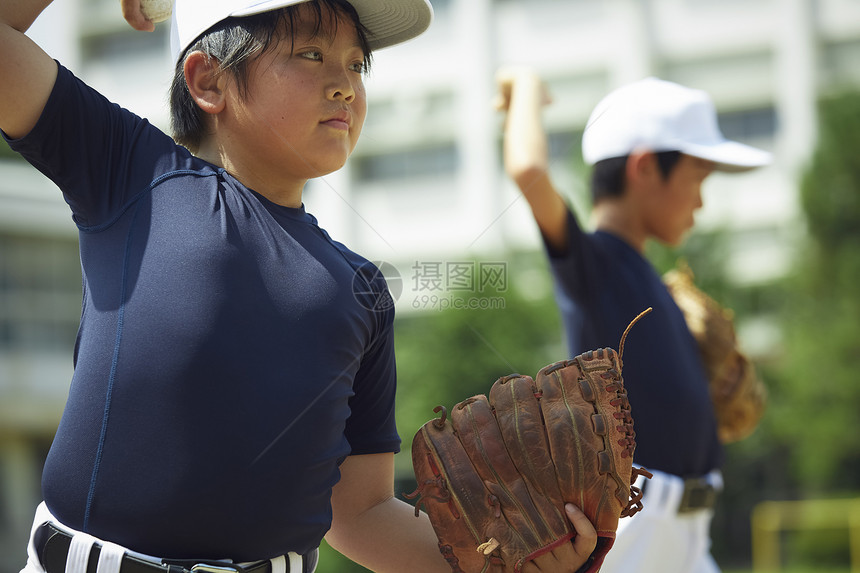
[(118, 47), (40, 293), (437, 161), (749, 125)]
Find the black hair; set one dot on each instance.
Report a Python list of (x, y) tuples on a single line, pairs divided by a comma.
[(235, 43), (607, 176)]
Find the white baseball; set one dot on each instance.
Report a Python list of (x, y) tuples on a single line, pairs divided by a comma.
[(156, 10)]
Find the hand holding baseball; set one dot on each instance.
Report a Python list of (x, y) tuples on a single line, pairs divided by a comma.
[(509, 77), (144, 14)]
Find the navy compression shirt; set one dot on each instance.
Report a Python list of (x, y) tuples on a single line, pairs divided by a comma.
[(602, 284), (224, 365)]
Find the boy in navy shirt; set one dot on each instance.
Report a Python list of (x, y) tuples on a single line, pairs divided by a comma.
[(233, 394), (652, 144)]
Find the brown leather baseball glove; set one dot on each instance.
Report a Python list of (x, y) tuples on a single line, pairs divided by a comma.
[(738, 394), (494, 475)]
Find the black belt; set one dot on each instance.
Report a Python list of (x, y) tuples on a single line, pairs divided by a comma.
[(52, 547), (698, 494)]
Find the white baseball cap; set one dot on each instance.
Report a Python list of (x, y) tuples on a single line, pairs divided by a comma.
[(388, 22), (657, 115)]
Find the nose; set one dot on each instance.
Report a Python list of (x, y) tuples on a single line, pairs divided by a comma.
[(341, 87)]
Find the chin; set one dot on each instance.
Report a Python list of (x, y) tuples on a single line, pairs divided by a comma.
[(672, 240), (324, 168), (679, 240)]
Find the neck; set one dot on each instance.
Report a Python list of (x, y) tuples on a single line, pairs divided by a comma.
[(286, 192), (613, 217)]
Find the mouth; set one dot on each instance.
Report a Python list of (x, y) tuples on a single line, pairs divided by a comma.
[(340, 121)]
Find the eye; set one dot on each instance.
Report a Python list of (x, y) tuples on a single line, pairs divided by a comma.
[(358, 67), (314, 55)]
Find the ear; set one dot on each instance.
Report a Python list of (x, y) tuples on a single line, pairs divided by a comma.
[(641, 168), (205, 84)]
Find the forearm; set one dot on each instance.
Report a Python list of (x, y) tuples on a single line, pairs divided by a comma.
[(526, 151), (388, 538)]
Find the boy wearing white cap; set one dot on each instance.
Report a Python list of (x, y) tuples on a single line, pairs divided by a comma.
[(651, 143), (233, 394)]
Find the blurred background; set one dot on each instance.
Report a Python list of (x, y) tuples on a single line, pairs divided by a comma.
[(425, 196)]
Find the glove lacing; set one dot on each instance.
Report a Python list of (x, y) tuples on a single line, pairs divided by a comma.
[(622, 412), (438, 482), (628, 442), (635, 503)]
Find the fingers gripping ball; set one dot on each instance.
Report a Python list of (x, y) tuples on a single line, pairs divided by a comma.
[(494, 476), (156, 10)]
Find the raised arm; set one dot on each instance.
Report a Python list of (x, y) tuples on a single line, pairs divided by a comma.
[(522, 95), (27, 73)]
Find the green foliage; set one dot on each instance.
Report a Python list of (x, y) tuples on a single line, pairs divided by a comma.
[(829, 190), (817, 548), (333, 562), (444, 357), (817, 391), (808, 443), (818, 376)]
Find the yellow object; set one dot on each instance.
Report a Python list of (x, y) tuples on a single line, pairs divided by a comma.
[(770, 518)]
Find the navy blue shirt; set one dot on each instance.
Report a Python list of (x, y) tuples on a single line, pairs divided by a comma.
[(225, 365), (602, 284)]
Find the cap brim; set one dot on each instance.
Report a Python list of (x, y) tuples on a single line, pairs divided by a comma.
[(392, 22), (729, 156), (388, 22)]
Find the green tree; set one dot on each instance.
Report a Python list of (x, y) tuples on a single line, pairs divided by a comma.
[(819, 374), (446, 356), (808, 443)]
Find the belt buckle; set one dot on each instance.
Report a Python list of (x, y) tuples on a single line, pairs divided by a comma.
[(206, 568), (698, 494)]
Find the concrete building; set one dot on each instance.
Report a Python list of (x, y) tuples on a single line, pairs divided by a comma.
[(425, 184)]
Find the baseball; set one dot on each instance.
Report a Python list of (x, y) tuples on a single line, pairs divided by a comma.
[(156, 10)]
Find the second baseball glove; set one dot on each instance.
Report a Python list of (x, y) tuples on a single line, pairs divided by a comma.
[(738, 394), (494, 475)]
